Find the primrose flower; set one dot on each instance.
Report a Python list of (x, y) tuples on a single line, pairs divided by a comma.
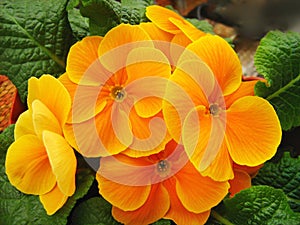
[(116, 85), (164, 185), (225, 123), (40, 161)]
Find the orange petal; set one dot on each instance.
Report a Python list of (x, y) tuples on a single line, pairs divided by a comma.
[(246, 89), (113, 47), (241, 181), (127, 198), (43, 119), (52, 94), (221, 58), (27, 166), (208, 194), (62, 160), (255, 144), (155, 33), (178, 44), (251, 170), (81, 57), (53, 200), (160, 17), (152, 210), (188, 29), (150, 135), (24, 125), (179, 214)]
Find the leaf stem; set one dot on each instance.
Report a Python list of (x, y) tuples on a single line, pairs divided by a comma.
[(220, 218)]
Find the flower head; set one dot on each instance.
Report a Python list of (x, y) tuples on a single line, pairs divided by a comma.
[(117, 85), (40, 161), (216, 130), (165, 185)]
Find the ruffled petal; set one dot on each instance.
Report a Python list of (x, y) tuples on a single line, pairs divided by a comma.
[(193, 83), (255, 144), (52, 94), (179, 214), (221, 58), (152, 210), (24, 125), (43, 119), (246, 89), (241, 181), (113, 47), (27, 166), (82, 56), (127, 198), (160, 17), (208, 194), (53, 200), (62, 160)]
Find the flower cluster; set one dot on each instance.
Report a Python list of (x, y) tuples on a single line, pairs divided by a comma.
[(163, 105)]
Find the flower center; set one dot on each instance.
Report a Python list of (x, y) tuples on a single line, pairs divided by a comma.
[(118, 93), (215, 109), (163, 168)]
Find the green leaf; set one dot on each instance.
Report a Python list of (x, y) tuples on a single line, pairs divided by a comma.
[(103, 15), (285, 175), (94, 211), (79, 24), (17, 208), (259, 205), (202, 25), (35, 37), (278, 60), (130, 15), (135, 9), (162, 222)]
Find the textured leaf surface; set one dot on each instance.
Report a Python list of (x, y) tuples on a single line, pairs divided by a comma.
[(78, 23), (17, 208), (278, 60), (34, 39), (284, 175), (260, 205)]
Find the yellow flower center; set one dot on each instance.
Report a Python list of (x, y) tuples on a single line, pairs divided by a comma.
[(118, 93), (215, 109), (163, 168)]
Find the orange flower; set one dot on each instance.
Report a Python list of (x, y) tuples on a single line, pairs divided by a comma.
[(165, 185), (117, 85), (215, 126), (40, 161)]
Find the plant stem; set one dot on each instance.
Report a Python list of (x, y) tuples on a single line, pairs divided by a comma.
[(220, 218)]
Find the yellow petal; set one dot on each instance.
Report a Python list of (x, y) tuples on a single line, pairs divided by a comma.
[(208, 193), (160, 17), (152, 210), (113, 47), (24, 125), (179, 214), (155, 33), (27, 166), (82, 56), (246, 89), (188, 29), (127, 198), (52, 94), (221, 58), (255, 144), (62, 160), (53, 200), (241, 181), (43, 119), (178, 44)]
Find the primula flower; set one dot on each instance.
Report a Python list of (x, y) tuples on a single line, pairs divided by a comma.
[(225, 123), (164, 185), (40, 161), (117, 85)]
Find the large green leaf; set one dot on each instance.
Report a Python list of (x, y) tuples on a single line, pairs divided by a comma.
[(278, 60), (17, 208), (258, 205), (34, 39), (285, 175)]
